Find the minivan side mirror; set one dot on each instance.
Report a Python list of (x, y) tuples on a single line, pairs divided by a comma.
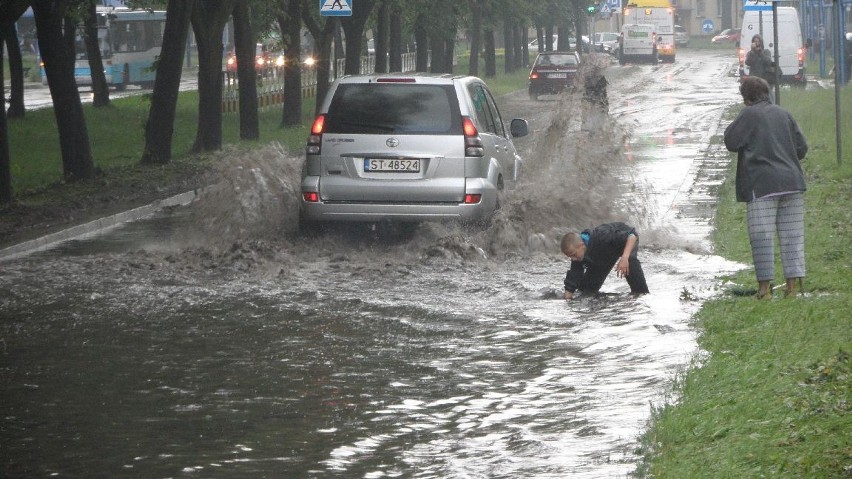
[(519, 128)]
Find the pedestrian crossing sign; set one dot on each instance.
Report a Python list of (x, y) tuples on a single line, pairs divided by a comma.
[(335, 8)]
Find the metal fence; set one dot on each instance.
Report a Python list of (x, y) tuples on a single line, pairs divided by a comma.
[(270, 82)]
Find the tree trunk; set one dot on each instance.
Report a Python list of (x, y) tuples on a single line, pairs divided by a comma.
[(380, 41), (5, 160), (518, 44), (421, 37), (395, 53), (354, 28), (292, 27), (475, 36), (16, 71), (508, 52), (208, 21), (244, 46), (100, 90), (490, 54), (322, 38), (56, 52), (159, 129), (439, 53)]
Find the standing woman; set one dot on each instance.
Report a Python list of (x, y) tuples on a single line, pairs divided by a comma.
[(770, 146), (760, 64)]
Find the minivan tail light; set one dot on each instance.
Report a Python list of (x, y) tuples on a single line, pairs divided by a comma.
[(310, 196), (315, 138), (800, 54), (472, 141), (470, 199)]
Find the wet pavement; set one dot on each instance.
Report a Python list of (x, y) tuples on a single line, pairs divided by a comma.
[(214, 341)]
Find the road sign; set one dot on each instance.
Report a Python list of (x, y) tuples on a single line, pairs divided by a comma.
[(614, 5), (707, 26), (757, 5), (335, 8)]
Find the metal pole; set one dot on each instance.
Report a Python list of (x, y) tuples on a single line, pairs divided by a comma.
[(775, 50), (838, 32)]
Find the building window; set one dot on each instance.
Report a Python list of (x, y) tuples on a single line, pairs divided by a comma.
[(699, 8)]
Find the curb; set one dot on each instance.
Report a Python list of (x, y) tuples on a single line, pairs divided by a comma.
[(98, 226)]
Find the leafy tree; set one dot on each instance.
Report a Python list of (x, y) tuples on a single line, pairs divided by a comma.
[(322, 32), (56, 42), (10, 11), (208, 20), (93, 53), (290, 23), (244, 47), (8, 32), (159, 130), (353, 27)]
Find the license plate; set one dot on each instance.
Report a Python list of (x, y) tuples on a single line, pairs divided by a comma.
[(404, 165), (557, 75)]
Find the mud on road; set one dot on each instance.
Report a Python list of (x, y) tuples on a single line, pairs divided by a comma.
[(216, 340)]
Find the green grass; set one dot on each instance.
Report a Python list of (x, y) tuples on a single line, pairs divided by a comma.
[(116, 133), (773, 398)]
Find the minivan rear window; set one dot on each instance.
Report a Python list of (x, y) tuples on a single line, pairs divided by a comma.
[(405, 108)]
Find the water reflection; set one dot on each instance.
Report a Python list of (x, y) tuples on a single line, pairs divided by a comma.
[(446, 355)]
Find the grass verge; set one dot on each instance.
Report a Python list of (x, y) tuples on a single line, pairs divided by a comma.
[(772, 396)]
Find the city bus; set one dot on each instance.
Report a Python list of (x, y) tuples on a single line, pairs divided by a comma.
[(660, 14), (130, 42)]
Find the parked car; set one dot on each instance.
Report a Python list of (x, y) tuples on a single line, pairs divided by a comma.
[(731, 35), (606, 42), (553, 72), (681, 36), (533, 45), (407, 148)]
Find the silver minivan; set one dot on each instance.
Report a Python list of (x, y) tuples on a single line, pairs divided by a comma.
[(408, 148)]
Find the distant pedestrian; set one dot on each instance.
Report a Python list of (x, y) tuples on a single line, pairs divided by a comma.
[(595, 251), (760, 64), (770, 147)]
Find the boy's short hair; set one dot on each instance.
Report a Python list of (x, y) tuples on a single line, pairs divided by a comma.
[(570, 240), (754, 89)]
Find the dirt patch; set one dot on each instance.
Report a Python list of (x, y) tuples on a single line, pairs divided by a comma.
[(63, 205)]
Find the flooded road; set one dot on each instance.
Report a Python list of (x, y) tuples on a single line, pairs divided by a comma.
[(216, 342)]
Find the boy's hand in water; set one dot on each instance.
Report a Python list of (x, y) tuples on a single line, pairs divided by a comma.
[(568, 295)]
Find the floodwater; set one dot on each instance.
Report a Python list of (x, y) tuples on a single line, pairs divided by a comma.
[(214, 341)]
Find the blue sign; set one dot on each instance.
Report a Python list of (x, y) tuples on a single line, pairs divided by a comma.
[(335, 8), (614, 5), (707, 26), (757, 5)]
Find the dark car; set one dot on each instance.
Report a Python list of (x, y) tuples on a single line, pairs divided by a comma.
[(731, 35), (553, 72)]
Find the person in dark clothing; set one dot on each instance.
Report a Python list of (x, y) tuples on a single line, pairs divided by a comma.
[(594, 252), (760, 64)]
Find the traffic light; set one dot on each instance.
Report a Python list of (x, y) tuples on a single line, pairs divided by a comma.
[(590, 9)]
